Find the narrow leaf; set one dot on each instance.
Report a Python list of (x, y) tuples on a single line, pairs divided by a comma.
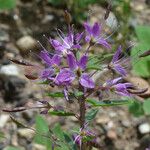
[(96, 103), (61, 113)]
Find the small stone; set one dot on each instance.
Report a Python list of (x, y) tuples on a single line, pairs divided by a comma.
[(26, 43), (141, 84), (112, 134), (10, 69), (38, 147), (126, 123), (26, 133), (13, 147), (3, 120), (112, 21), (102, 120), (47, 18), (144, 128), (110, 125)]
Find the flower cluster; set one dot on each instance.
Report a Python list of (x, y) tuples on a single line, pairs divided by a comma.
[(67, 65), (66, 53)]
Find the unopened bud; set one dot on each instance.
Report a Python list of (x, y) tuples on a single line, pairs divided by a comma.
[(67, 17)]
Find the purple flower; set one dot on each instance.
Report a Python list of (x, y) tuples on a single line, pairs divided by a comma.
[(83, 134), (118, 63), (94, 35), (51, 62), (69, 42), (119, 88), (50, 59), (67, 75)]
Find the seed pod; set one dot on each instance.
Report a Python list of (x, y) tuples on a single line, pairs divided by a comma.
[(138, 91), (109, 7), (21, 62), (67, 17), (147, 53), (31, 77)]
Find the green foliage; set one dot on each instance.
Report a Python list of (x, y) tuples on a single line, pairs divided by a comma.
[(57, 2), (1, 135), (141, 67), (12, 148), (42, 130), (91, 114), (63, 141), (146, 107), (95, 103), (56, 95), (7, 4), (76, 7), (61, 113), (93, 63), (136, 108)]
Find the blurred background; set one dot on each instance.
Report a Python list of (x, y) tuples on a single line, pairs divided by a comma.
[(23, 22)]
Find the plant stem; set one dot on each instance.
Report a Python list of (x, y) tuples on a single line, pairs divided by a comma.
[(82, 118)]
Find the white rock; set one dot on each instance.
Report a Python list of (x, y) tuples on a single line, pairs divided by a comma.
[(26, 43), (112, 21), (9, 70), (3, 120), (38, 147), (26, 133), (144, 128)]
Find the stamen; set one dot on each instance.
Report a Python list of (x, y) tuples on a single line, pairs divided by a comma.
[(62, 37)]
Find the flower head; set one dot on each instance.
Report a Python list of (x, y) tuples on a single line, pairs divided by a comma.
[(119, 63), (75, 70), (117, 87), (69, 42), (94, 35), (84, 134)]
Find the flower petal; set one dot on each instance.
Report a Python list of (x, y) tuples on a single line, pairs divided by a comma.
[(83, 61), (47, 73), (78, 37), (104, 43), (56, 59), (86, 81), (65, 77), (87, 38), (71, 60), (96, 30), (120, 70), (44, 55), (114, 81), (57, 45), (88, 28), (117, 54)]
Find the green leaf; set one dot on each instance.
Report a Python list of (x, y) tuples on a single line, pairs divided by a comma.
[(7, 4), (141, 67), (78, 93), (69, 140), (58, 132), (42, 136), (91, 114), (56, 94), (143, 33), (61, 113), (93, 63), (60, 135), (96, 103), (136, 109), (146, 106), (12, 148)]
